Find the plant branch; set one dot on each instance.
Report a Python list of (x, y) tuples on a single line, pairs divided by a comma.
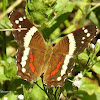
[(16, 3)]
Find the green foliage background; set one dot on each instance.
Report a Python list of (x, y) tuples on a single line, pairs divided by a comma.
[(55, 19)]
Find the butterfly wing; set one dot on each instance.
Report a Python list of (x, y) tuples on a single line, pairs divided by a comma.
[(62, 61), (75, 42), (31, 49)]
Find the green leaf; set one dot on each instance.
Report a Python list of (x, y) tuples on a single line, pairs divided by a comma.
[(89, 86), (83, 95), (3, 78), (46, 17), (55, 34), (69, 29), (83, 56), (40, 95), (68, 86), (63, 6), (49, 2), (92, 16), (35, 93), (50, 28), (17, 85), (10, 68), (96, 68), (11, 96), (32, 5), (5, 23), (37, 16), (34, 12)]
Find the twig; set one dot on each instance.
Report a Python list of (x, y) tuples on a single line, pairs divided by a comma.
[(84, 3), (13, 29), (10, 8)]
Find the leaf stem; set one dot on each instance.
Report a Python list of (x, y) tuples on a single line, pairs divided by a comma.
[(43, 90)]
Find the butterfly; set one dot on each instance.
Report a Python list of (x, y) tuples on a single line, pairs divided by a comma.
[(34, 58)]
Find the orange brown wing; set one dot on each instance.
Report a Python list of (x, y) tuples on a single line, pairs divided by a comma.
[(31, 49), (61, 62)]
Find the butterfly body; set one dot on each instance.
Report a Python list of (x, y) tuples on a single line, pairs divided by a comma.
[(35, 58)]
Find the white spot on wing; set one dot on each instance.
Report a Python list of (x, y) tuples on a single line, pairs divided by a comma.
[(97, 30), (58, 86), (83, 28), (88, 34), (59, 78), (52, 85), (19, 26), (69, 74), (23, 63), (23, 70), (25, 79), (72, 43), (72, 69), (10, 14), (82, 42), (83, 38), (19, 76), (17, 21), (63, 72), (20, 19), (85, 31), (24, 17)]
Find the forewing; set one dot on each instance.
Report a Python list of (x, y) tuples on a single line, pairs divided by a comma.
[(31, 49), (75, 42)]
